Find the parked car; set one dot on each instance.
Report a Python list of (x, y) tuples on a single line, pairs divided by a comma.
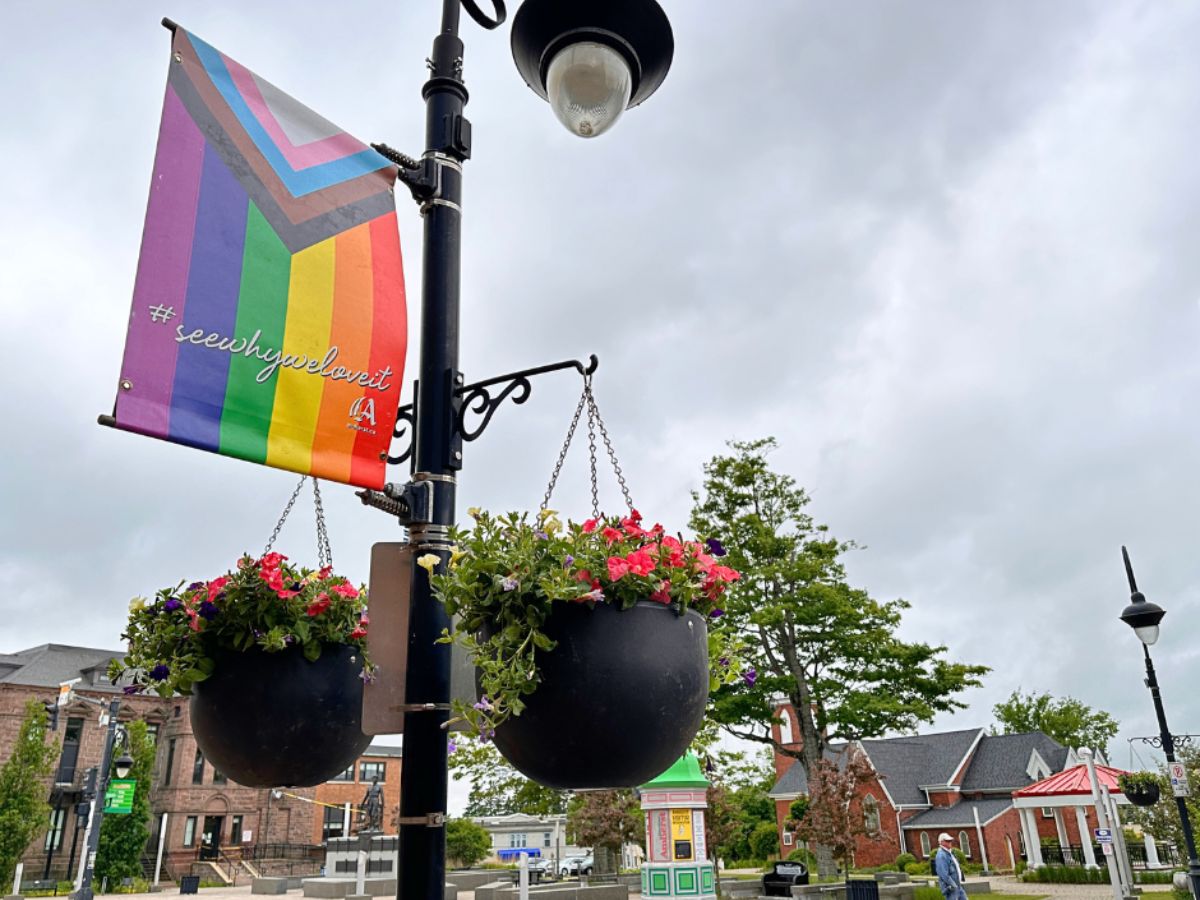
[(577, 865), (545, 866)]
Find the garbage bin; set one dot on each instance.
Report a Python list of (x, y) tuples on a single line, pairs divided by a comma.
[(189, 884), (862, 889)]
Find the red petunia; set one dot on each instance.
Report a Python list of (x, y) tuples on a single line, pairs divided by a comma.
[(319, 605), (611, 535), (346, 589), (589, 526), (360, 631), (640, 562), (618, 568)]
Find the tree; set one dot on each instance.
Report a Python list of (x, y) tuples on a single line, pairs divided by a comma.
[(1069, 721), (834, 819), (829, 648), (497, 789), (24, 811), (1162, 819), (123, 836), (738, 804), (606, 819), (467, 842)]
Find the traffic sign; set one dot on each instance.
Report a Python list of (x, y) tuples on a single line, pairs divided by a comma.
[(66, 691), (1179, 780), (118, 798), (1103, 835)]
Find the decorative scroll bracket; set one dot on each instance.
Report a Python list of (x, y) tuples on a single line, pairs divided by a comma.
[(1179, 740)]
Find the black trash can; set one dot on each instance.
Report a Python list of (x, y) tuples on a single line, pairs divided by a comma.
[(189, 884), (862, 889)]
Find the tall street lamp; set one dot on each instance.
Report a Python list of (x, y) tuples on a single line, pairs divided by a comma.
[(591, 59), (1143, 617), (122, 766)]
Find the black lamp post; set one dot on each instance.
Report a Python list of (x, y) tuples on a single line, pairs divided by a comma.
[(1143, 617), (591, 59), (122, 765)]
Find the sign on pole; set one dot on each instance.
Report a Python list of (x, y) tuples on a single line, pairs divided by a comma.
[(66, 691), (1179, 780), (118, 798), (1103, 835)]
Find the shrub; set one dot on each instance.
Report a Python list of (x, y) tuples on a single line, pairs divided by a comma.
[(925, 892), (903, 860), (917, 868), (764, 840), (805, 856)]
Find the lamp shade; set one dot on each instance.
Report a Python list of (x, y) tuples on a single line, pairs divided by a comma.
[(637, 31), (123, 764), (1143, 617)]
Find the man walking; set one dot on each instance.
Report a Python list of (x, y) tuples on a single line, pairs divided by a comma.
[(945, 866)]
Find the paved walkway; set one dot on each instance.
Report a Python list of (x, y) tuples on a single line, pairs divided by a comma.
[(1008, 884)]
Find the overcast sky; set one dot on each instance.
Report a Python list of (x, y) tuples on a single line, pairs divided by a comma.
[(945, 252)]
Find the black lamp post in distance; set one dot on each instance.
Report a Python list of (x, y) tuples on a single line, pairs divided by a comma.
[(122, 765), (624, 50), (1144, 617)]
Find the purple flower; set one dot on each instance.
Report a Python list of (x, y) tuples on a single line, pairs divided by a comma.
[(716, 614), (724, 661), (160, 672), (487, 734), (750, 676), (289, 639), (510, 584), (172, 604), (132, 689), (450, 745), (208, 610), (195, 585), (715, 547), (541, 535), (367, 677), (484, 704), (570, 559)]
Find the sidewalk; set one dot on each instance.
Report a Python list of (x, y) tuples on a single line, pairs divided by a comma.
[(1008, 884)]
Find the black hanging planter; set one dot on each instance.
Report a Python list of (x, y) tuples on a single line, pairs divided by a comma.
[(1142, 794), (276, 719), (621, 697)]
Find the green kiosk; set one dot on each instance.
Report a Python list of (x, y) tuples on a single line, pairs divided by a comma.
[(677, 863)]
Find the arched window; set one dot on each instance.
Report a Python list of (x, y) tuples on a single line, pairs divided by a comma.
[(871, 814), (925, 844), (789, 727), (964, 844)]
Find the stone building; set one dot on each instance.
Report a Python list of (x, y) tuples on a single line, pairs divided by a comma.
[(202, 819)]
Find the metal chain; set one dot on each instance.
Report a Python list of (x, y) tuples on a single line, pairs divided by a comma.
[(612, 456), (324, 553), (562, 455), (594, 422)]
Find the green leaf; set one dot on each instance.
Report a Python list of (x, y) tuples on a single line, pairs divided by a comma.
[(312, 650)]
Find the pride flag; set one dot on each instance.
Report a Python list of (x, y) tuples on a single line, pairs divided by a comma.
[(268, 319)]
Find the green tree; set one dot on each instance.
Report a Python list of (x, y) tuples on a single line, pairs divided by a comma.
[(467, 842), (1069, 721), (737, 801), (123, 837), (24, 811), (497, 789), (1162, 819), (829, 648)]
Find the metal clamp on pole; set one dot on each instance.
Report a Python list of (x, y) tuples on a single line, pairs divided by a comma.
[(432, 820)]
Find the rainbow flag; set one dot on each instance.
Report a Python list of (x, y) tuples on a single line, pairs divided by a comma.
[(268, 319)]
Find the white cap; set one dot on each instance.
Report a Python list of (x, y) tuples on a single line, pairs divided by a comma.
[(944, 837)]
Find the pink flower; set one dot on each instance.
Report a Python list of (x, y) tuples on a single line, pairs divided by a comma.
[(618, 568), (589, 526), (346, 589), (611, 535), (319, 605), (640, 562), (724, 573), (216, 586), (287, 595), (360, 631), (595, 595), (324, 572), (663, 594)]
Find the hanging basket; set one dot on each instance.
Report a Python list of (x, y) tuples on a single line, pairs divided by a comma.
[(621, 697), (1142, 794), (276, 719)]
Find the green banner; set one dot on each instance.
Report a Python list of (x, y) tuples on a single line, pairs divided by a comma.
[(118, 798)]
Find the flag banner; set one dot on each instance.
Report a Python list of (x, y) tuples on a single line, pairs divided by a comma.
[(268, 319)]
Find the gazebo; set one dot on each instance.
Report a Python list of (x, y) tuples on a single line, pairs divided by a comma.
[(1069, 788)]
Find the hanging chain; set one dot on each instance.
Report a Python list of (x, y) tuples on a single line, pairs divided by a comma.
[(594, 422), (324, 553)]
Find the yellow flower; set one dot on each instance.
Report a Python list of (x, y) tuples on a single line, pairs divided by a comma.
[(473, 512), (544, 514), (137, 604), (455, 555), (428, 561), (552, 525)]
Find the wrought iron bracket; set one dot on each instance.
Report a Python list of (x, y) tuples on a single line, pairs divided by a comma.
[(422, 177), (475, 405), (1155, 741)]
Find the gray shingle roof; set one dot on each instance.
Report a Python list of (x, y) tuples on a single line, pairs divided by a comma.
[(1000, 761), (51, 664), (960, 815), (907, 763)]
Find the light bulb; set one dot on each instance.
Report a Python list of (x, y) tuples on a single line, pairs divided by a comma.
[(588, 85)]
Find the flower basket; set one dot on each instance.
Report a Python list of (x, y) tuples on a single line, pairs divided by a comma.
[(1140, 788), (622, 694), (274, 658), (277, 719)]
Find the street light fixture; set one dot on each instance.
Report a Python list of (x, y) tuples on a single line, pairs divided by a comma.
[(123, 764), (1143, 617)]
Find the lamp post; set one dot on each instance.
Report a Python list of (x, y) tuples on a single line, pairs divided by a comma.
[(96, 817), (1143, 617), (591, 59)]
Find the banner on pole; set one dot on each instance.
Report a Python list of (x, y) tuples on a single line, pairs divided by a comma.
[(118, 797), (268, 320)]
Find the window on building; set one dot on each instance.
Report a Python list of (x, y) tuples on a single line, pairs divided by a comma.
[(332, 826), (219, 776), (170, 770), (787, 839), (964, 844), (54, 834), (348, 775), (152, 732), (189, 831), (178, 710), (925, 844), (545, 839), (198, 767), (871, 814), (369, 770), (235, 830), (1047, 812), (517, 839)]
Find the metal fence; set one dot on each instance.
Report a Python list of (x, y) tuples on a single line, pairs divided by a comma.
[(1055, 855)]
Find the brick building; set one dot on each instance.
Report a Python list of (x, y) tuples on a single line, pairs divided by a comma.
[(961, 782), (349, 789), (202, 817)]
